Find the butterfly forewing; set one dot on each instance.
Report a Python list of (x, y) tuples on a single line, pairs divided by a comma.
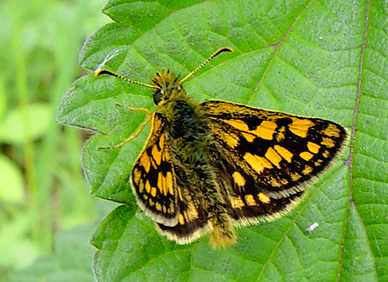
[(153, 177), (154, 182), (272, 152)]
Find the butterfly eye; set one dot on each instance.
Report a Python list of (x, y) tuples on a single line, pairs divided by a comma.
[(157, 97)]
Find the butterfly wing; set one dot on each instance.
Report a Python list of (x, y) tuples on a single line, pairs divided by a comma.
[(153, 180), (157, 185), (270, 157), (192, 222), (248, 202)]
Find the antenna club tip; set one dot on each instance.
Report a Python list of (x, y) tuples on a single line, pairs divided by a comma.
[(98, 72), (222, 50)]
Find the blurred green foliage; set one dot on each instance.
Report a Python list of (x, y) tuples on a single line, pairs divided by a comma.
[(42, 190), (321, 58)]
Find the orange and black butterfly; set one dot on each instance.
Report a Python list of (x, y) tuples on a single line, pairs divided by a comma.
[(210, 166)]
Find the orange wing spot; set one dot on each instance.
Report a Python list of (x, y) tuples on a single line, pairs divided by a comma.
[(161, 142), (238, 124), (265, 162), (145, 196), (148, 187), (313, 148), (161, 183), (165, 186), (153, 192), (164, 209), (158, 207), (181, 219), (307, 170), (166, 156), (156, 154), (140, 186), (264, 198), (332, 131), (151, 202), (230, 139), (287, 155), (306, 156), (238, 178), (326, 154), (236, 202), (295, 176), (248, 136), (328, 142), (300, 127), (171, 208), (265, 130), (273, 157), (191, 212), (136, 175), (250, 200), (145, 162), (170, 183), (276, 183), (254, 162), (280, 134), (257, 163)]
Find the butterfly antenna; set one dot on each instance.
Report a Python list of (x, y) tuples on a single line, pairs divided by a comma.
[(216, 53), (104, 71)]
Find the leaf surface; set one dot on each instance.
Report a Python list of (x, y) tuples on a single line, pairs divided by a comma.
[(313, 58)]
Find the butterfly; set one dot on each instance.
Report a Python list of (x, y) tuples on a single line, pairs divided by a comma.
[(212, 166)]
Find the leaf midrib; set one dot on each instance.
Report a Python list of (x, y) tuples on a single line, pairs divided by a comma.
[(349, 161)]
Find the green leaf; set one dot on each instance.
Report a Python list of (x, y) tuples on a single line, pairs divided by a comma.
[(11, 189), (3, 97), (126, 232), (313, 58), (71, 261), (31, 121), (15, 240)]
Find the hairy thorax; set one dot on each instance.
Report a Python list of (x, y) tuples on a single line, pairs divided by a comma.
[(188, 131), (187, 126)]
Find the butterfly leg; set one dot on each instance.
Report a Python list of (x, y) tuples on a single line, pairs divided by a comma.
[(147, 111), (136, 133)]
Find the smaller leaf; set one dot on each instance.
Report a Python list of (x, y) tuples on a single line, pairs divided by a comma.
[(70, 263), (131, 250), (19, 122), (3, 97), (143, 15), (14, 241), (11, 188)]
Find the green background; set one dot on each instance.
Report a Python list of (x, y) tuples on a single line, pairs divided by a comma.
[(42, 190), (314, 58)]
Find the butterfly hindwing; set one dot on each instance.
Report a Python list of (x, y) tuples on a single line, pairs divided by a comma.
[(192, 222), (247, 201)]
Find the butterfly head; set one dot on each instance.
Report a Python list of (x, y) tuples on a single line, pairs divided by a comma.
[(166, 84)]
